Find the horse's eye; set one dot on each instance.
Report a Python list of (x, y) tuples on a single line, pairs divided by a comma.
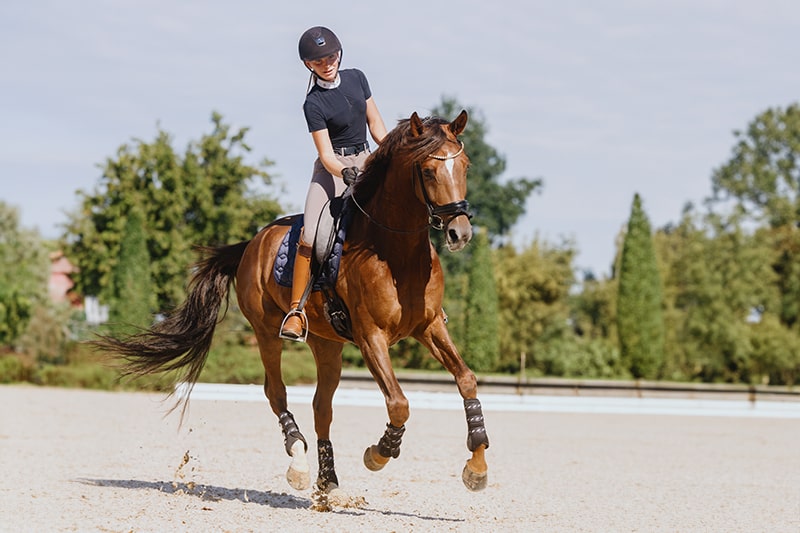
[(429, 174)]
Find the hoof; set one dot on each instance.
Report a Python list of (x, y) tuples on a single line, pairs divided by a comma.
[(298, 480), (373, 460), (298, 473), (474, 481)]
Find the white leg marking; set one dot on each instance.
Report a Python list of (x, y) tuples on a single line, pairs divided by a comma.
[(299, 460)]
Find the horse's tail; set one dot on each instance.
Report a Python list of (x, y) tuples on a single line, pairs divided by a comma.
[(182, 340)]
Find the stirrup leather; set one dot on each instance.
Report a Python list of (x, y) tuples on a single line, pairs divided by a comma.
[(304, 320)]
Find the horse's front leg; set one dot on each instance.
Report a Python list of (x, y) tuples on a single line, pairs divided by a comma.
[(437, 339), (475, 473), (298, 474), (376, 356), (388, 447)]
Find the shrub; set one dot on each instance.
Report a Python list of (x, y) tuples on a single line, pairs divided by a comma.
[(14, 369)]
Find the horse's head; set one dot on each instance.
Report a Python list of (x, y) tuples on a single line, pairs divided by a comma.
[(441, 180)]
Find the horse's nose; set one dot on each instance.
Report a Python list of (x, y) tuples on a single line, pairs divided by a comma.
[(459, 233)]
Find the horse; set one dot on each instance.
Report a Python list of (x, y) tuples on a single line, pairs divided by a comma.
[(390, 279)]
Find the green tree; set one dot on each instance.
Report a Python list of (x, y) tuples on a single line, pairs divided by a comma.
[(24, 271), (762, 178), (481, 344), (719, 285), (132, 288), (533, 299), (640, 320), (687, 291), (763, 173), (775, 352), (594, 309), (761, 181), (205, 197), (785, 241)]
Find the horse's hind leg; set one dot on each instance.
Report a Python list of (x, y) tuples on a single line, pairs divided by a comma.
[(269, 346), (437, 339), (328, 357)]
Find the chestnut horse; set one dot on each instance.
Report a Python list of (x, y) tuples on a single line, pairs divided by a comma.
[(390, 279)]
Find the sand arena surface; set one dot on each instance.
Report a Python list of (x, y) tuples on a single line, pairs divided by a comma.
[(75, 460)]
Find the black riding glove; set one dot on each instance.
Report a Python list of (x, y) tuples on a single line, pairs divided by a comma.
[(349, 175)]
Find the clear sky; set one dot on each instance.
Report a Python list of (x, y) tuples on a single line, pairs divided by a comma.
[(599, 99)]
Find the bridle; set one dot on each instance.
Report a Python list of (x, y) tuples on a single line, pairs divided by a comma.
[(439, 216), (436, 213)]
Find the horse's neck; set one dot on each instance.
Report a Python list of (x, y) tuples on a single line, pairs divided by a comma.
[(394, 220), (396, 203)]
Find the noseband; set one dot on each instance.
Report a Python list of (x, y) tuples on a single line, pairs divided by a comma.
[(438, 214)]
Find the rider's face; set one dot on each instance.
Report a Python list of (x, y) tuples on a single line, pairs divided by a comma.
[(326, 67)]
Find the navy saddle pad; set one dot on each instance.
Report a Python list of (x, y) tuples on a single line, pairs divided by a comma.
[(329, 271)]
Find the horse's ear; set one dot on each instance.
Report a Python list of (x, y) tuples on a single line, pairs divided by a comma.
[(416, 125), (458, 125)]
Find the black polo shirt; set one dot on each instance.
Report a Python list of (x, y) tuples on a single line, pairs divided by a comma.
[(342, 111)]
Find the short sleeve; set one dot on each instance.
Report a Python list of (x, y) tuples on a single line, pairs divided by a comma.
[(362, 78), (315, 119)]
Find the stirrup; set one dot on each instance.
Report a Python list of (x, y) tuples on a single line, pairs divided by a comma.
[(304, 335)]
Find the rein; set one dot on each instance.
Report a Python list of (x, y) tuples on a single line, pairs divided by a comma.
[(436, 213)]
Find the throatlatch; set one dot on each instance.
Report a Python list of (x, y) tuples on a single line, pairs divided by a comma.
[(476, 431)]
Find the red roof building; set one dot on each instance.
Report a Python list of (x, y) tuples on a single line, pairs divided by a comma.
[(61, 284)]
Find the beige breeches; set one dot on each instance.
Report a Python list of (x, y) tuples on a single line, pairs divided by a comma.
[(323, 187)]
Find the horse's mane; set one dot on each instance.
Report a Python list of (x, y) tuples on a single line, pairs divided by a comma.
[(399, 145)]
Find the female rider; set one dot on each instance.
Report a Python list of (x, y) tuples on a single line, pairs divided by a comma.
[(338, 109)]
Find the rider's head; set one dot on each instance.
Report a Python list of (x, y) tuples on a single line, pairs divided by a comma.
[(321, 52)]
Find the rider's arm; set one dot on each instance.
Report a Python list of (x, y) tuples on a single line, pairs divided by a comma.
[(375, 121)]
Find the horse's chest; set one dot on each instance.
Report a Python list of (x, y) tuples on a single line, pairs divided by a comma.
[(400, 283)]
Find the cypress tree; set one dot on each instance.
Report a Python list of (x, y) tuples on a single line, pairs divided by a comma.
[(482, 343), (640, 321), (132, 286)]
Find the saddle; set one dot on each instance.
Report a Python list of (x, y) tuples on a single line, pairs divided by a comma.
[(326, 258)]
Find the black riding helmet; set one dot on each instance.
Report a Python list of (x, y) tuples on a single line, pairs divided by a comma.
[(318, 42)]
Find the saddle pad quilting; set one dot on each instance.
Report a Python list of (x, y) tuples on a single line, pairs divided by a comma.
[(284, 261)]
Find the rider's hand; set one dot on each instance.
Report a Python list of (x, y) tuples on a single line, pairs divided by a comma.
[(349, 175)]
